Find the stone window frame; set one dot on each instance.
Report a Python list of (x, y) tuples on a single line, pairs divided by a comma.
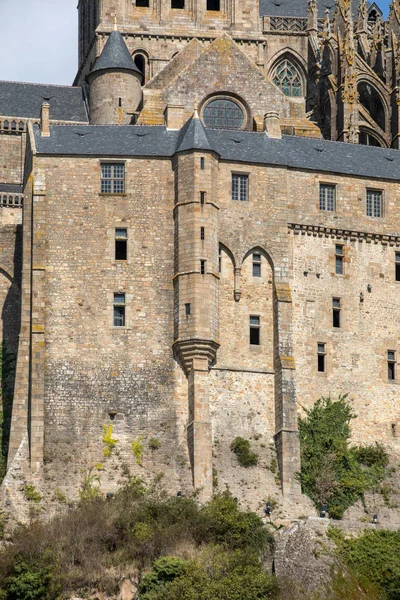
[(119, 304), (323, 353), (110, 161), (150, 6), (391, 359), (397, 266), (241, 174), (247, 120), (330, 184), (255, 315), (382, 203), (342, 255)]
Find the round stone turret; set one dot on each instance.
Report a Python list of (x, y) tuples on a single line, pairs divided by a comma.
[(115, 84)]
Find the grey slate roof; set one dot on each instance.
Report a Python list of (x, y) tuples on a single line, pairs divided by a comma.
[(236, 146), (296, 8), (193, 136), (9, 188), (115, 55), (24, 100)]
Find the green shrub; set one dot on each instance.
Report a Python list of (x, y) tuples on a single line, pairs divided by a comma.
[(215, 575), (137, 449), (223, 523), (373, 557), (332, 473), (31, 494), (90, 487), (108, 440), (33, 581), (154, 444), (241, 447)]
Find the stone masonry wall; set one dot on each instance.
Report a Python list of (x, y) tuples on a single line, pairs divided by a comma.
[(12, 153), (97, 374)]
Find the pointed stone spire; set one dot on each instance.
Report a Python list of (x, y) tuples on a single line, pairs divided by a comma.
[(196, 109), (193, 136), (312, 16), (115, 55), (327, 25), (349, 93), (394, 17), (362, 21)]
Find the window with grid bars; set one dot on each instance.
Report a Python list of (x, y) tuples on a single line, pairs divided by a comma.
[(339, 259), (256, 265), (287, 78), (112, 178), (327, 197), (119, 310), (374, 203), (223, 114), (240, 185)]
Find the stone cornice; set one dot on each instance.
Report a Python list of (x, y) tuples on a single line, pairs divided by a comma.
[(345, 234)]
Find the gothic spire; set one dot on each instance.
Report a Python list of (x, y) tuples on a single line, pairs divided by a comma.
[(362, 20), (394, 17), (349, 93), (312, 15)]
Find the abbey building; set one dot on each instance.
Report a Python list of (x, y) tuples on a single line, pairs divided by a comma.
[(199, 239)]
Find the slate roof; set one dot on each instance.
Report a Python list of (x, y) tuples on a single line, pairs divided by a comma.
[(236, 146), (296, 8), (115, 55), (193, 136), (9, 188), (24, 100)]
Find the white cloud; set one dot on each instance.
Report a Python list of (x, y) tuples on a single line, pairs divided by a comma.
[(38, 41)]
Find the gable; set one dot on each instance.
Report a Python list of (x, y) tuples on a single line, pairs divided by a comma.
[(223, 68)]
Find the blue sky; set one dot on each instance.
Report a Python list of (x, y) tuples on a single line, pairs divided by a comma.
[(38, 40)]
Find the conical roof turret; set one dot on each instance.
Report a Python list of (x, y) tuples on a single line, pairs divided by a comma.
[(115, 55)]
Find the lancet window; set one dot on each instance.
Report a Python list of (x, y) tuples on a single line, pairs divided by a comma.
[(288, 79)]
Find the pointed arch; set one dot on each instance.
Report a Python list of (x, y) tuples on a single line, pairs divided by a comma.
[(374, 102), (287, 70), (263, 252)]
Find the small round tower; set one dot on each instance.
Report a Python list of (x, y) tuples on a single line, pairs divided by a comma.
[(115, 90)]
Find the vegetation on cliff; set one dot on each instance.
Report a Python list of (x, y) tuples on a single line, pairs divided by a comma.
[(374, 557), (173, 547), (333, 473)]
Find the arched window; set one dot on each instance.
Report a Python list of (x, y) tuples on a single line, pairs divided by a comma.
[(287, 78), (371, 100), (140, 62), (367, 139), (222, 113)]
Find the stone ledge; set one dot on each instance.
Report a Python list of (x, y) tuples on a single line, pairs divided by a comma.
[(345, 234)]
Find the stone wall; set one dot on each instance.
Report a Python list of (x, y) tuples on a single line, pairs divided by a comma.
[(12, 155)]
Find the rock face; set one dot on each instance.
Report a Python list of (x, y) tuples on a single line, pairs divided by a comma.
[(305, 556)]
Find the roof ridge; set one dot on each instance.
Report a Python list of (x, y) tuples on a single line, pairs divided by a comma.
[(72, 87)]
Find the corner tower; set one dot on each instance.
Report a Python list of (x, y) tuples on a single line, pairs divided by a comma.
[(114, 85)]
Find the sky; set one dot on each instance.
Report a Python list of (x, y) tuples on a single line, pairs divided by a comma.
[(38, 41)]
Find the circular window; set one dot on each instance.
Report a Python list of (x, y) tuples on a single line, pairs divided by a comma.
[(223, 114)]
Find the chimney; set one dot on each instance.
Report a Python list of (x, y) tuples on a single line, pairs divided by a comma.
[(272, 125), (45, 119), (174, 116)]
